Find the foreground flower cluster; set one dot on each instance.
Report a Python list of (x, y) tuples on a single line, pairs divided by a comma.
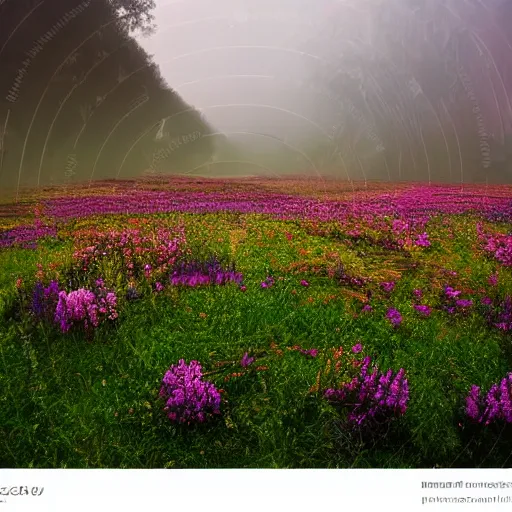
[(188, 398), (82, 307), (372, 397), (496, 405)]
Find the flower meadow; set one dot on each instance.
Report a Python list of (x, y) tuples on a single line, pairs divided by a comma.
[(203, 323)]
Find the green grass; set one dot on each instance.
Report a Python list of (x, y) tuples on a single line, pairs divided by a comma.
[(69, 402)]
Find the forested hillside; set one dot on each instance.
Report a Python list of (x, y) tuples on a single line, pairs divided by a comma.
[(80, 99)]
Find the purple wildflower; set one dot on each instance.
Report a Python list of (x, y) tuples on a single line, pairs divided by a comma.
[(246, 360), (204, 273), (493, 279), (364, 367), (188, 399), (356, 349), (84, 307), (388, 287), (313, 352), (423, 309), (375, 396), (44, 300), (38, 300), (495, 406), (394, 316), (451, 293), (61, 313), (417, 293), (423, 241)]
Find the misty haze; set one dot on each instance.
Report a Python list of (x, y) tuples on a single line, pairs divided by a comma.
[(405, 90)]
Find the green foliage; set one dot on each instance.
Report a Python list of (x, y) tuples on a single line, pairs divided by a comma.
[(70, 402)]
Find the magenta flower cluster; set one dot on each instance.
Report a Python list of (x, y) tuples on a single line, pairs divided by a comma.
[(423, 309), (268, 283), (188, 398), (415, 205), (311, 352), (498, 246), (394, 316), (451, 293), (498, 313), (388, 287), (372, 397), (496, 405), (198, 273), (86, 308), (308, 352), (423, 241), (452, 303), (357, 348)]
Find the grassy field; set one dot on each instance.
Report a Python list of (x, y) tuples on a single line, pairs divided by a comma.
[(316, 281)]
